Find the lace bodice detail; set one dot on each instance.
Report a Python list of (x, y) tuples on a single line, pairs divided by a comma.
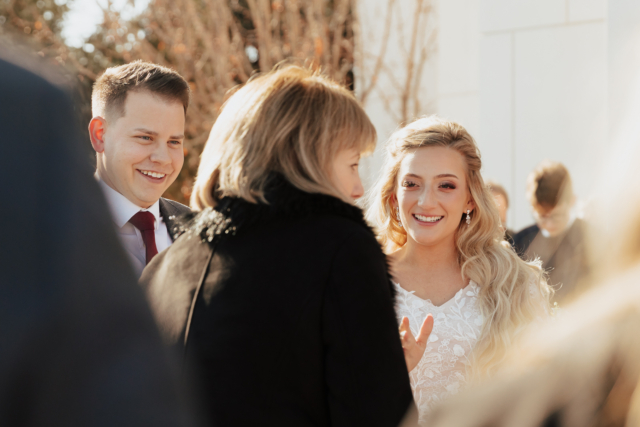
[(443, 369)]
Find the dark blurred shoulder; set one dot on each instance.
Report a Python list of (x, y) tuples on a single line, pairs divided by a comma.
[(523, 238), (23, 67)]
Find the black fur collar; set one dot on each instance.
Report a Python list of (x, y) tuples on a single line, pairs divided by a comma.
[(285, 201)]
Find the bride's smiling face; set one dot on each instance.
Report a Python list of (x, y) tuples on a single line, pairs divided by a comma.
[(432, 194)]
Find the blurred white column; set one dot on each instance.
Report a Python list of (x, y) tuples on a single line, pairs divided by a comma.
[(624, 68)]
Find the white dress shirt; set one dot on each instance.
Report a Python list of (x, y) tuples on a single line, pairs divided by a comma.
[(122, 209)]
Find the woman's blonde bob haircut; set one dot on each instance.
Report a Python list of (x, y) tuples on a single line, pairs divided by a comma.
[(290, 121), (512, 292)]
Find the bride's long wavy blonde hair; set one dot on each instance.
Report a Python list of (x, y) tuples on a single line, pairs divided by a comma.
[(512, 292)]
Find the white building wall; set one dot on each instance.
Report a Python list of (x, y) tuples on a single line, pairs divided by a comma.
[(528, 79), (458, 62), (624, 70), (541, 89)]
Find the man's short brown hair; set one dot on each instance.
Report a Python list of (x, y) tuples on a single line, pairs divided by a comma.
[(110, 90), (549, 184)]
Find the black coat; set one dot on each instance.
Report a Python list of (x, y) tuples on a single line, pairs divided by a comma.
[(563, 257), (78, 344), (292, 323)]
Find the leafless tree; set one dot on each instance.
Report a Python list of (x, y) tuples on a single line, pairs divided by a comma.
[(409, 30), (214, 44), (218, 44)]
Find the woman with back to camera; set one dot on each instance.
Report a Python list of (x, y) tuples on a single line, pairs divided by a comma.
[(440, 224), (278, 292)]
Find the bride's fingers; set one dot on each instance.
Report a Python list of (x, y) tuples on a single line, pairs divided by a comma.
[(425, 330), (405, 333), (404, 324)]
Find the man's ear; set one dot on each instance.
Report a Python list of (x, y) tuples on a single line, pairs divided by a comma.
[(97, 129)]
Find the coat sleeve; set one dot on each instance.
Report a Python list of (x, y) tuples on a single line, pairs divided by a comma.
[(366, 374)]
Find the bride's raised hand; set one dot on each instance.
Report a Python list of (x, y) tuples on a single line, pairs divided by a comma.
[(414, 347)]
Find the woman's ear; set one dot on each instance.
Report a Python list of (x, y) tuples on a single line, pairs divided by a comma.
[(471, 205), (393, 201)]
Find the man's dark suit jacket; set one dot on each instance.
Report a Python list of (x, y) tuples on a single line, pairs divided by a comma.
[(171, 211), (564, 256), (78, 345)]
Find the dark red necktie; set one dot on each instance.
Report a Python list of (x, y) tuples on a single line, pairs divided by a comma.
[(144, 221)]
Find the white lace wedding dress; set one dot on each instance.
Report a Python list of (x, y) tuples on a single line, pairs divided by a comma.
[(442, 371)]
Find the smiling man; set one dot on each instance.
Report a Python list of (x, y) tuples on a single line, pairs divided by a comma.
[(137, 132)]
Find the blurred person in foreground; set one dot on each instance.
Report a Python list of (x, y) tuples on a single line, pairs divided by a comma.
[(557, 238), (584, 368), (137, 132), (278, 293), (440, 224), (78, 343), (502, 202)]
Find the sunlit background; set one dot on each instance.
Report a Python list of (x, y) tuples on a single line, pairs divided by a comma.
[(85, 15), (528, 78)]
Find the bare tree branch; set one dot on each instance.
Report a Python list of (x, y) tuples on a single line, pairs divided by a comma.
[(383, 50), (206, 41)]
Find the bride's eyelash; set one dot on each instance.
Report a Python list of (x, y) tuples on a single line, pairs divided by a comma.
[(448, 186), (408, 184)]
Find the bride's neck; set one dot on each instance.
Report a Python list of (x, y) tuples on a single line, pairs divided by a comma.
[(442, 255)]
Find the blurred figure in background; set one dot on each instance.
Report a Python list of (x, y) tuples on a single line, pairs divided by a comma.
[(278, 293), (557, 238), (502, 201), (78, 342), (137, 132)]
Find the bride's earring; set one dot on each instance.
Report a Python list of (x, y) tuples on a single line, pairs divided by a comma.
[(398, 217), (468, 217)]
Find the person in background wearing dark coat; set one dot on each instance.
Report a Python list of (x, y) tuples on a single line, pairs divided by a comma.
[(502, 201), (78, 343), (137, 132), (557, 238), (278, 293)]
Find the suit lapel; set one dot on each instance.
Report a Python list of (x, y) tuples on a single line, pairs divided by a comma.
[(169, 214)]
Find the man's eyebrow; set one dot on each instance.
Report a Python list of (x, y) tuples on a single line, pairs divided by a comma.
[(181, 136), (147, 131)]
